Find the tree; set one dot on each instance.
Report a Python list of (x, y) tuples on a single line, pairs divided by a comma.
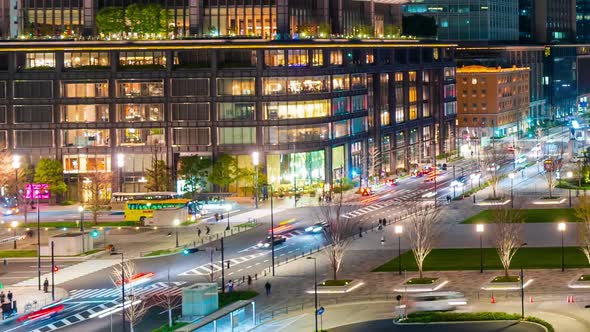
[(338, 231), (424, 228), (509, 234), (133, 16), (419, 26), (551, 166), (166, 21), (111, 20), (392, 30), (50, 171), (583, 215), (224, 171), (158, 175), (194, 170), (137, 305), (168, 300), (150, 19), (96, 185), (374, 163), (489, 164)]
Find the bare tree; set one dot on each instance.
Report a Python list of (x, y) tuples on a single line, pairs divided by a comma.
[(551, 166), (374, 163), (168, 300), (583, 215), (135, 306), (509, 234), (338, 231), (489, 165), (423, 229), (97, 186)]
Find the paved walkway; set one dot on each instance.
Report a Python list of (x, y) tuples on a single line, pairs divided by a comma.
[(32, 296)]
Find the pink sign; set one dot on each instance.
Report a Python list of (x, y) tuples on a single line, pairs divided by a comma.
[(37, 191)]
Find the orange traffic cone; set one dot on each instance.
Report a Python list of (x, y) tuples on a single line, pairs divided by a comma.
[(573, 300), (569, 299), (493, 299)]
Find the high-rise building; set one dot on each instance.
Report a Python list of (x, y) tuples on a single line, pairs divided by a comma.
[(583, 21), (470, 20), (547, 21)]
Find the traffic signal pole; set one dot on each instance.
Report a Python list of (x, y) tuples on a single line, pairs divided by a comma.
[(222, 268), (52, 272)]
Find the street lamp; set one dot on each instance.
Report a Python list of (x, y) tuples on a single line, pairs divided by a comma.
[(479, 228), (14, 225), (81, 210), (228, 209), (122, 286), (561, 228), (511, 176), (315, 289), (16, 165), (255, 161), (176, 223), (569, 175), (272, 229), (398, 229), (120, 165)]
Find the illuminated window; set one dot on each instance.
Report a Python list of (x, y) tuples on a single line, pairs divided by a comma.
[(86, 137), (86, 59), (317, 58), (399, 114), (297, 109), (413, 94), (140, 112), (237, 135), (39, 60), (336, 58), (274, 58), (142, 58), (298, 58), (235, 86), (133, 89), (340, 82), (413, 112), (85, 90), (139, 137), (86, 113)]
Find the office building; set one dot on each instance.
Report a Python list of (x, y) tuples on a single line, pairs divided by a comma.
[(547, 21)]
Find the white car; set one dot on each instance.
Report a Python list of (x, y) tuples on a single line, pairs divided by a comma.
[(436, 301), (493, 167)]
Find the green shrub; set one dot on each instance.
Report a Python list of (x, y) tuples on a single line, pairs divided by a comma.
[(428, 317), (67, 202)]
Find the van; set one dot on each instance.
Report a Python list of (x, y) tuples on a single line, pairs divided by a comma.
[(436, 301)]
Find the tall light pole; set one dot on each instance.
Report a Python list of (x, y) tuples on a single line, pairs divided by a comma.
[(561, 228), (272, 229), (14, 225), (255, 162), (315, 289), (81, 210), (120, 165), (398, 229), (569, 175), (16, 165), (511, 176), (38, 238), (479, 228), (228, 209), (122, 287), (176, 223)]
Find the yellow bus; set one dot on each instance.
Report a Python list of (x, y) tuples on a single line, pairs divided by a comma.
[(118, 200), (140, 210)]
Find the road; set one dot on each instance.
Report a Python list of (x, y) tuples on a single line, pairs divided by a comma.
[(387, 325)]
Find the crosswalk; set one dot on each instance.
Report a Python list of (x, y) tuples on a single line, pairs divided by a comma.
[(207, 269), (407, 195), (80, 316), (148, 291), (73, 271)]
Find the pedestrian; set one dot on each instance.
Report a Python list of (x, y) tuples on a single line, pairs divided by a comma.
[(5, 262), (474, 199), (249, 281), (2, 297), (198, 232), (46, 285), (230, 286), (267, 287), (360, 231), (449, 199), (207, 230), (9, 295), (255, 276), (217, 217)]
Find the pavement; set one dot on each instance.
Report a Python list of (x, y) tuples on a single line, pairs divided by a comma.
[(386, 325), (31, 298)]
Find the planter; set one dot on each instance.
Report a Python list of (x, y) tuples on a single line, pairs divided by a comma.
[(500, 283), (549, 201), (337, 286), (494, 202), (421, 285), (581, 281)]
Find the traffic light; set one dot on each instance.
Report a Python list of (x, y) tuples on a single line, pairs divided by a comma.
[(94, 233), (228, 264), (187, 251)]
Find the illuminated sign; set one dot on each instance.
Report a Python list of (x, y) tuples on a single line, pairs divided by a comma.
[(37, 191)]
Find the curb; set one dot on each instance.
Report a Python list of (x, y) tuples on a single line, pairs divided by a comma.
[(395, 322)]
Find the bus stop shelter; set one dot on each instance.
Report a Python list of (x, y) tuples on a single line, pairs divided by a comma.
[(239, 316)]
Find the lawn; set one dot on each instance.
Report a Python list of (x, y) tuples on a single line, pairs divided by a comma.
[(468, 259), (585, 277), (73, 224), (162, 252), (506, 279), (18, 253), (175, 326), (421, 281), (229, 298), (529, 215), (335, 283), (429, 317)]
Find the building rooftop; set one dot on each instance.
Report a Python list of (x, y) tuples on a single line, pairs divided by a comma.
[(483, 69)]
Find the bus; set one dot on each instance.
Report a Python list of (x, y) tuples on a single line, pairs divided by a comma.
[(9, 206), (140, 210), (118, 200)]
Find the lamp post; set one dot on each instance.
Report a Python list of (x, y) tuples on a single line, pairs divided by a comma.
[(14, 225), (511, 176), (272, 229), (398, 229), (81, 210), (255, 161), (569, 175), (561, 228), (16, 165), (228, 209), (122, 287), (176, 223), (38, 240), (315, 289), (120, 165), (479, 228)]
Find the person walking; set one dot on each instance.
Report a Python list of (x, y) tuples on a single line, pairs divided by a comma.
[(267, 287), (2, 297), (207, 230), (46, 285), (9, 295), (230, 286), (249, 281), (198, 232)]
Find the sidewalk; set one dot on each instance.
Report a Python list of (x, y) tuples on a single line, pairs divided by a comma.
[(28, 295)]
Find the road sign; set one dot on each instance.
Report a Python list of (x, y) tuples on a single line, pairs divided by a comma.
[(320, 311)]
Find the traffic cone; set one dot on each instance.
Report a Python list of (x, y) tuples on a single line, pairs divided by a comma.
[(493, 299), (569, 299), (573, 300), (531, 299)]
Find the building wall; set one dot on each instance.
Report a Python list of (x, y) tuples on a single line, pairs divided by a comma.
[(88, 103)]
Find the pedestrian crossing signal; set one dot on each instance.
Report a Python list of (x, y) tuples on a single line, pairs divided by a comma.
[(187, 251), (94, 233)]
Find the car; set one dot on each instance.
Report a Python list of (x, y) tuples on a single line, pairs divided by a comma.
[(459, 182), (266, 243), (316, 228), (137, 279), (367, 191), (42, 313), (475, 175), (493, 167), (436, 301), (391, 182), (521, 159)]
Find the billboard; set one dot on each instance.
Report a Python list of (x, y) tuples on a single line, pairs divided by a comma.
[(37, 191)]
